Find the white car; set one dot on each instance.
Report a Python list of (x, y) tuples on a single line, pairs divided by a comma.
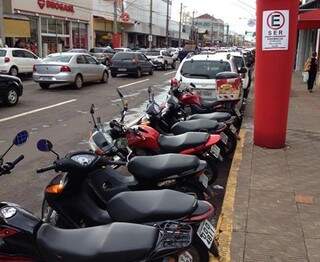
[(241, 63), (201, 70), (14, 61), (160, 59), (122, 49)]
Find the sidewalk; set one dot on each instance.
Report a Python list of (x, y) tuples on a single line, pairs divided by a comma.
[(272, 204)]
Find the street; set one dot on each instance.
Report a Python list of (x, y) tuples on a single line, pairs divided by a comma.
[(61, 115)]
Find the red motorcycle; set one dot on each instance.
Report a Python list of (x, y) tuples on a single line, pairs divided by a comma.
[(143, 140), (229, 85)]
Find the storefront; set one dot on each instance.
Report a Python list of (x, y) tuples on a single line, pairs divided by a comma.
[(53, 26), (102, 27)]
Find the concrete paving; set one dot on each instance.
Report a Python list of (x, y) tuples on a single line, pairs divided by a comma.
[(276, 206)]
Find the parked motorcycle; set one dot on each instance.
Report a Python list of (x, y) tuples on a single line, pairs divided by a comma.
[(26, 238), (172, 119), (143, 140), (220, 110)]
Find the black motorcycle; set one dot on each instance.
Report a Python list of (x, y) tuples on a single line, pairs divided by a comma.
[(173, 119), (26, 238)]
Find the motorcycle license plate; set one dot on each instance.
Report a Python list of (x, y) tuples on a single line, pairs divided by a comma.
[(224, 138), (206, 233), (237, 111), (233, 129), (204, 180), (185, 257), (215, 150)]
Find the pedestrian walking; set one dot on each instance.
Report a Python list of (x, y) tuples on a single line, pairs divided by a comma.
[(311, 66)]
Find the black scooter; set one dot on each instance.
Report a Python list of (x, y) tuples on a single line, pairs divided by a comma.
[(26, 238)]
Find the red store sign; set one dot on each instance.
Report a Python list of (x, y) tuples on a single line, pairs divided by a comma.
[(56, 5)]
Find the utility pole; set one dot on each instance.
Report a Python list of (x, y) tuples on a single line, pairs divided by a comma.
[(167, 26), (212, 21), (115, 17), (150, 25), (192, 27), (2, 37), (180, 25), (227, 34)]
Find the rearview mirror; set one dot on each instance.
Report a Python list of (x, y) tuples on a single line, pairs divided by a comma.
[(92, 109), (242, 70), (149, 90), (193, 85), (44, 145), (20, 138)]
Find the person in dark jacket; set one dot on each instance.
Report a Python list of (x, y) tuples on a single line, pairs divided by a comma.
[(312, 70)]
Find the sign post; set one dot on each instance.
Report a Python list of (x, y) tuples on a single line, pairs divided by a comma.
[(276, 44)]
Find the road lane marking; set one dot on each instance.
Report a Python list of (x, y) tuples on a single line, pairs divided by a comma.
[(225, 221), (170, 73), (37, 110), (134, 83)]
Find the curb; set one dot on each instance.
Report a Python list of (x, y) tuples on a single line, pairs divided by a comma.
[(225, 221)]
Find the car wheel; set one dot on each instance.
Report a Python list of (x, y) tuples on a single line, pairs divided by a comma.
[(139, 73), (173, 65), (78, 82), (113, 74), (151, 72), (105, 77), (44, 86), (11, 97), (13, 71)]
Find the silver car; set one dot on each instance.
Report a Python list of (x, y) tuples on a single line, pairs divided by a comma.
[(69, 68)]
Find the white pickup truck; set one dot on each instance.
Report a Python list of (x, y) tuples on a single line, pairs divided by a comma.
[(161, 59)]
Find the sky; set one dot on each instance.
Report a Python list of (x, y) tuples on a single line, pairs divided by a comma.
[(234, 12)]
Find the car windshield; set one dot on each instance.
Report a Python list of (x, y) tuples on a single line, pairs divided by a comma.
[(61, 59), (77, 51), (204, 69), (123, 56), (3, 53), (98, 50), (152, 53)]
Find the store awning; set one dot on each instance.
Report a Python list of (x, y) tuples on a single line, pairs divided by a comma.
[(309, 19), (16, 28)]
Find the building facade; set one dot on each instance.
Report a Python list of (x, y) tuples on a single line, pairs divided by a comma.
[(211, 28), (47, 26)]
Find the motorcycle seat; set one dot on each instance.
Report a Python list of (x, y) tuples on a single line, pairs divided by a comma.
[(218, 116), (210, 104), (175, 144), (155, 168), (194, 126), (119, 242), (151, 206)]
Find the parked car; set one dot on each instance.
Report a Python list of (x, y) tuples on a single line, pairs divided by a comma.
[(73, 68), (122, 49), (78, 51), (161, 59), (103, 54), (11, 89), (174, 53), (241, 63), (14, 61), (201, 70), (130, 63)]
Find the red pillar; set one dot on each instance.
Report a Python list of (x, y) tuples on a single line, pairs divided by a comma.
[(273, 70)]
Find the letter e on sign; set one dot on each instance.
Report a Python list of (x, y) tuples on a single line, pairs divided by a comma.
[(275, 31)]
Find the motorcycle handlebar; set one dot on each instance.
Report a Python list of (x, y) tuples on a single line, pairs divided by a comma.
[(118, 163), (46, 169), (20, 158)]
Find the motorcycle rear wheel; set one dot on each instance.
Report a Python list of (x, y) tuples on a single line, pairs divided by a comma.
[(197, 252)]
